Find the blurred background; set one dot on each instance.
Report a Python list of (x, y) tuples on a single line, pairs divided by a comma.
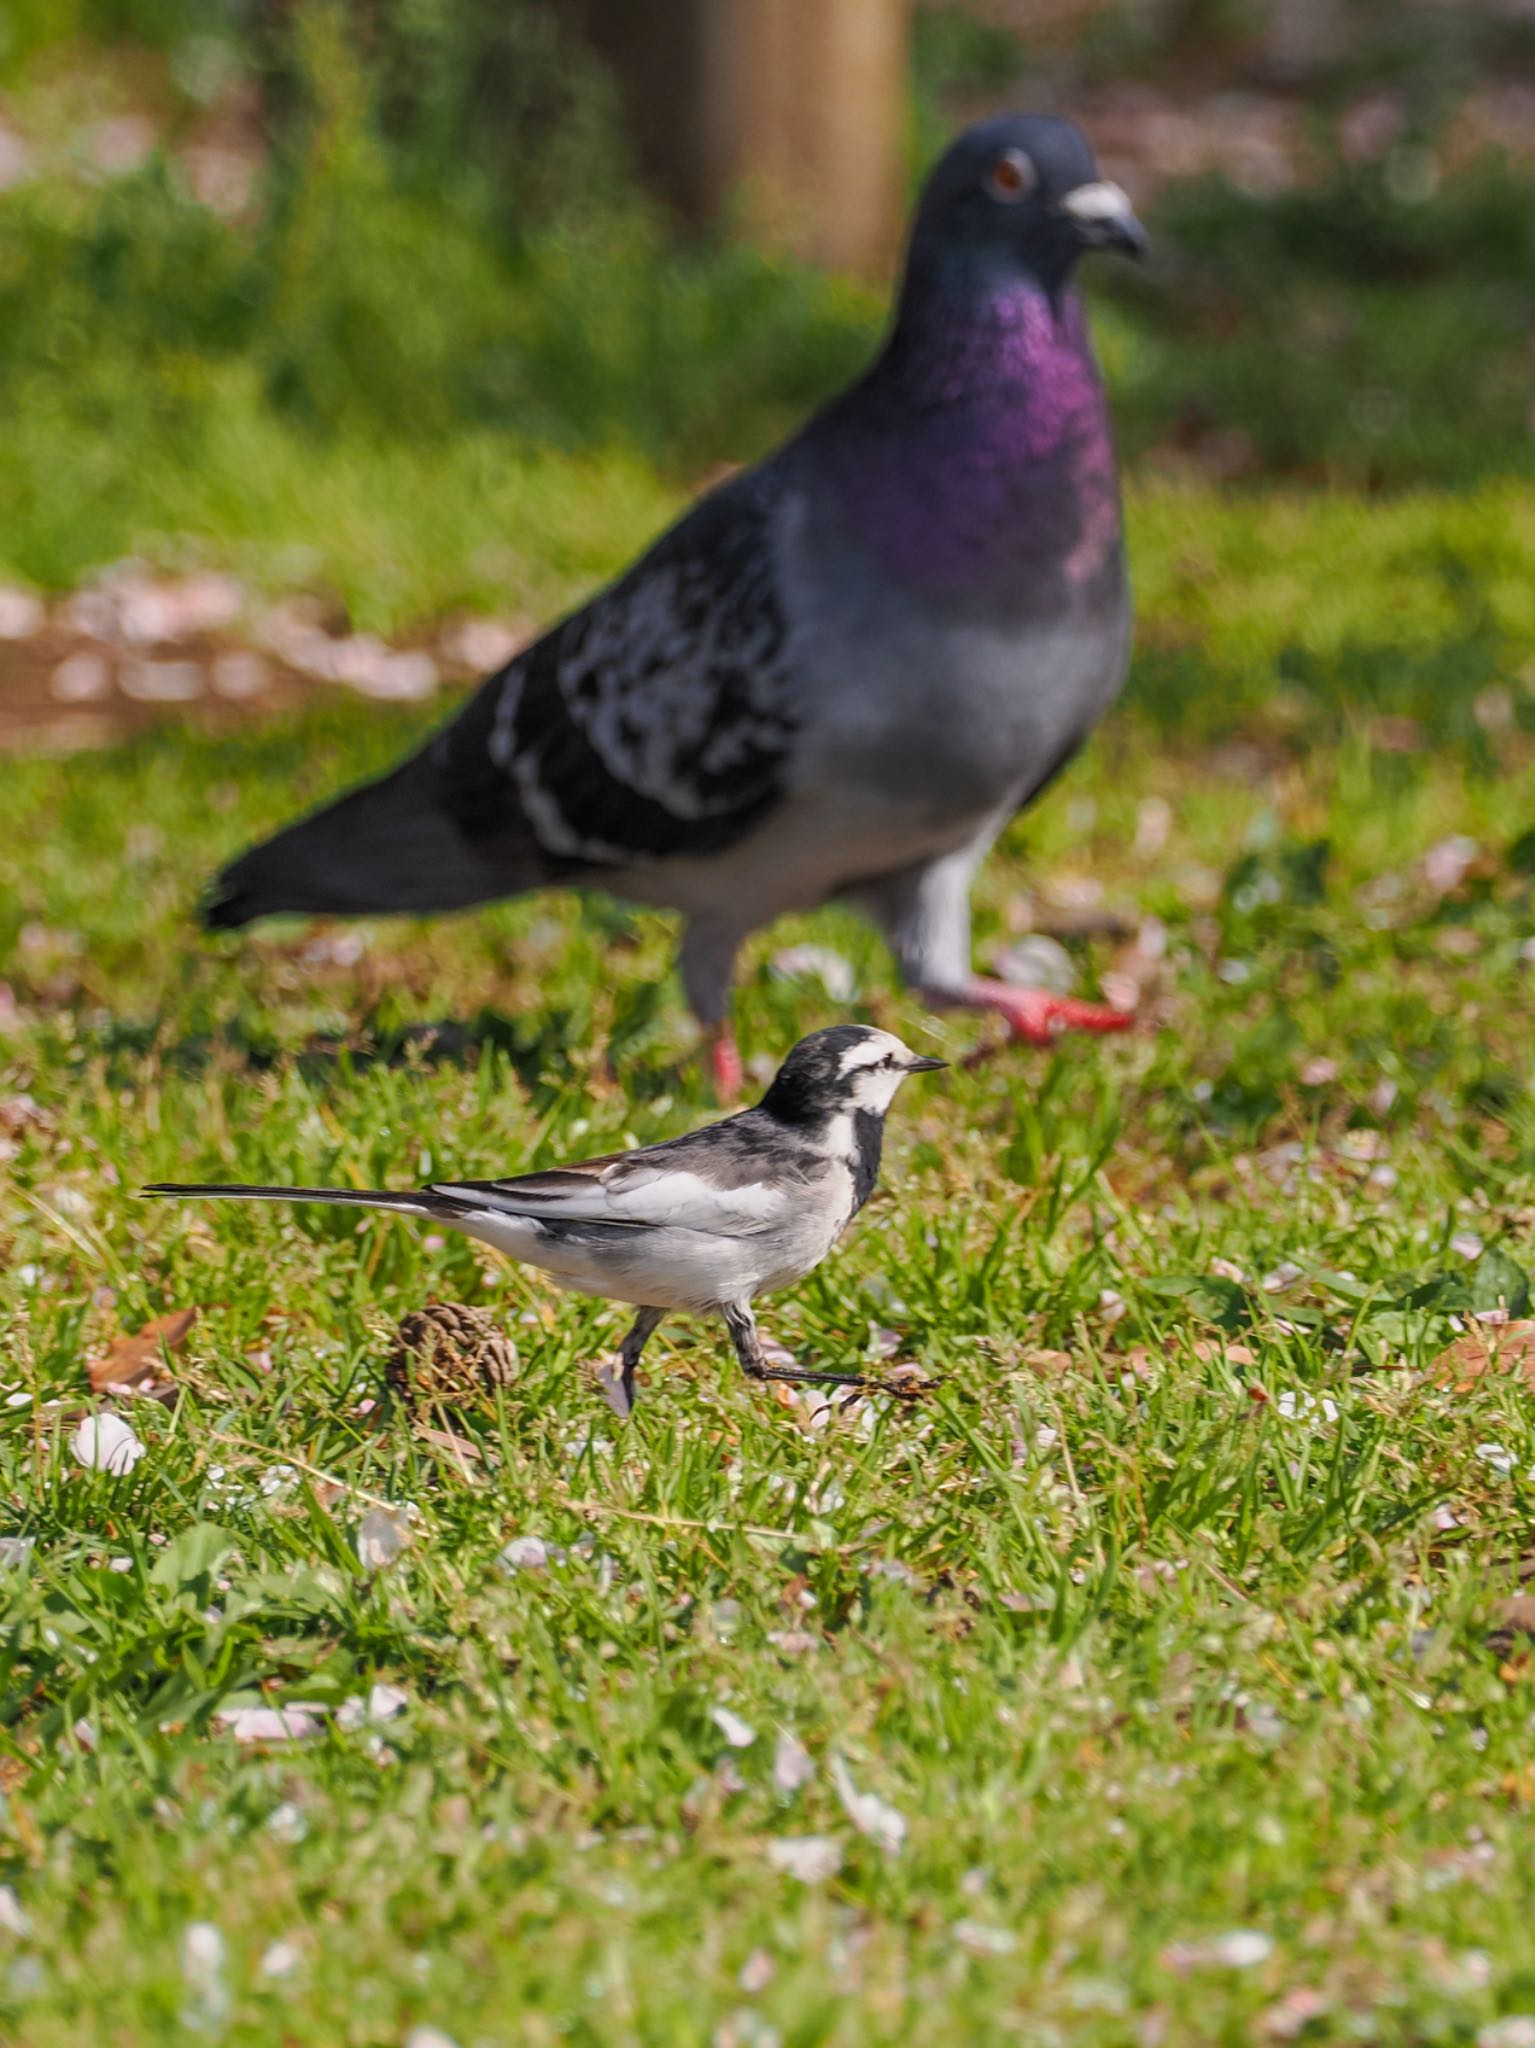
[(341, 339)]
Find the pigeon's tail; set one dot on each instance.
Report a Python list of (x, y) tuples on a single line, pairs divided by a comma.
[(413, 1203), (416, 841)]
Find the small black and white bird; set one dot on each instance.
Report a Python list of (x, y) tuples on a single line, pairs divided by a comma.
[(704, 1223), (841, 672)]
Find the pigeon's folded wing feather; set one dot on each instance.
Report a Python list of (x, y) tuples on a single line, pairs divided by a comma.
[(654, 723)]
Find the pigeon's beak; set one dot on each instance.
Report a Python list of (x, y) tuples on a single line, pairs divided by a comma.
[(919, 1063), (1104, 218)]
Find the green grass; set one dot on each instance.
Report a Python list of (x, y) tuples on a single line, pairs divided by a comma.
[(1153, 1623), (414, 375), (1166, 1619)]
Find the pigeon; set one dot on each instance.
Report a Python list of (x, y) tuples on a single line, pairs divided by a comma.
[(841, 673), (704, 1223)]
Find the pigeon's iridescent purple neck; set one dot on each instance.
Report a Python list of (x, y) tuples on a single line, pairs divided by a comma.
[(976, 454)]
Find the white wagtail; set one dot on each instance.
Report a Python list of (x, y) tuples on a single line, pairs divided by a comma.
[(703, 1223)]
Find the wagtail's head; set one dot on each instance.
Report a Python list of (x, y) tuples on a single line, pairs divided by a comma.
[(849, 1067)]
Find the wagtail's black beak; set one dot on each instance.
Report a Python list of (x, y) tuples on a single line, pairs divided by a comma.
[(921, 1064), (1103, 217)]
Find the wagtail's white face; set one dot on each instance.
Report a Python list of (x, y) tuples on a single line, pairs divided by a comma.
[(835, 1072), (875, 1067)]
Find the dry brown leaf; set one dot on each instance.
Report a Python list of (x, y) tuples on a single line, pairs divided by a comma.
[(137, 1363), (1489, 1347), (1517, 1613), (1215, 1347)]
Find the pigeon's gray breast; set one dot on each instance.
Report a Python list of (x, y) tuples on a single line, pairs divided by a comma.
[(942, 708)]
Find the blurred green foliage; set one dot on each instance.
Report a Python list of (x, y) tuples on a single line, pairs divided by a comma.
[(445, 267)]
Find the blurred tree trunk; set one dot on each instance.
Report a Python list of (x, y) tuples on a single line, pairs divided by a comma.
[(793, 108)]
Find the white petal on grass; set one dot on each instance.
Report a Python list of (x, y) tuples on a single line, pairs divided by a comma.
[(269, 1724), (13, 1916), (282, 1959), (382, 1703), (1514, 2030), (871, 1815), (745, 2028), (381, 1535), (105, 1443), (524, 1554), (202, 1953), (287, 1822), (1498, 1456), (429, 2037), (1242, 1949), (21, 614), (793, 1765), (757, 1972), (810, 1858), (981, 1940), (738, 1733), (1297, 1405)]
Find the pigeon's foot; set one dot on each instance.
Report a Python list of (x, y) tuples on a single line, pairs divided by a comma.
[(725, 1069), (1035, 1015)]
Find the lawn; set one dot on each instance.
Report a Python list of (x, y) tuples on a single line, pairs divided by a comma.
[(1151, 1680), (1164, 1676)]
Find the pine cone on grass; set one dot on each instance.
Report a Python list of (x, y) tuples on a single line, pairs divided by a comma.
[(451, 1353)]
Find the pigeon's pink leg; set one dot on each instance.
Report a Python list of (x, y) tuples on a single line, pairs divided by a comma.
[(1036, 1016), (725, 1069)]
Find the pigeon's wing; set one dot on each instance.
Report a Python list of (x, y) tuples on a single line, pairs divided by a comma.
[(654, 723), (718, 1181)]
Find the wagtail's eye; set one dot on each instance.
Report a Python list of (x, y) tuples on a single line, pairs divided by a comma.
[(1012, 177)]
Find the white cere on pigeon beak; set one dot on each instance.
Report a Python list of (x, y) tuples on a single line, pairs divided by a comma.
[(1100, 201), (1105, 218)]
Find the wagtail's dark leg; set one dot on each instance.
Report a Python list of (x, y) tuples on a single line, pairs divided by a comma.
[(641, 1330), (742, 1325), (618, 1387)]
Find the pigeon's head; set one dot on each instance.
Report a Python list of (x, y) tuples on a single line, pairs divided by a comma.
[(1019, 196), (849, 1067)]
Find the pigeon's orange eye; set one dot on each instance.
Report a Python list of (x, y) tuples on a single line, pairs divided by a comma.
[(1012, 176)]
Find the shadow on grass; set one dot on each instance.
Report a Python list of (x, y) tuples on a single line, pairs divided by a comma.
[(546, 1053)]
